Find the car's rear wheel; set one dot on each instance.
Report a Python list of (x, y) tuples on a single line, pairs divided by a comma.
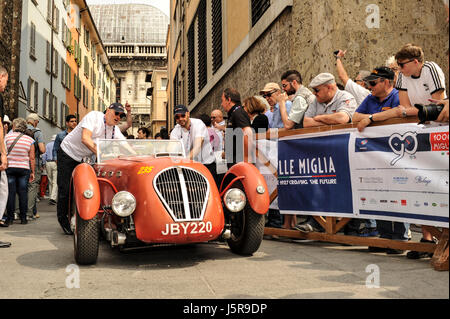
[(86, 239), (247, 230)]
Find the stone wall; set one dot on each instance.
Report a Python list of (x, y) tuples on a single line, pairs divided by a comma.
[(10, 31), (304, 37)]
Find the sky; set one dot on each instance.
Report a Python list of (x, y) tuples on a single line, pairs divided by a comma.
[(163, 5)]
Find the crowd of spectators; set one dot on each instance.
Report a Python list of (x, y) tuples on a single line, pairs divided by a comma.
[(388, 91)]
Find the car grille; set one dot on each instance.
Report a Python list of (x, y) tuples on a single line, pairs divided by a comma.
[(184, 192)]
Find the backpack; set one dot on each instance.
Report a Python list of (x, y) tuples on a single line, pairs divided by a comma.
[(30, 133)]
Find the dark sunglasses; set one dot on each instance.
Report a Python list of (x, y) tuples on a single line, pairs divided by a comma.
[(121, 114), (316, 90), (374, 82), (402, 64), (269, 94), (179, 116)]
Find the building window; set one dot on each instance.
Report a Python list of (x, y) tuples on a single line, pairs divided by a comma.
[(46, 103), (49, 11), (202, 50), (216, 35), (191, 64), (56, 20), (176, 92), (259, 7), (48, 58), (33, 41), (164, 84), (54, 110), (33, 95)]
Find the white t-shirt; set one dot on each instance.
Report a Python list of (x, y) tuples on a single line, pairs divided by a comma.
[(94, 121), (197, 129), (357, 91), (420, 89)]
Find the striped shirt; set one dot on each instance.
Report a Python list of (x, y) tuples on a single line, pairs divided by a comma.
[(420, 89), (19, 155)]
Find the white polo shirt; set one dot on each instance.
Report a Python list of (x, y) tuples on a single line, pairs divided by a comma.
[(357, 91), (197, 129), (420, 89), (94, 121)]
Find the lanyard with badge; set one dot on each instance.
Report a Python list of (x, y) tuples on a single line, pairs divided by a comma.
[(113, 130)]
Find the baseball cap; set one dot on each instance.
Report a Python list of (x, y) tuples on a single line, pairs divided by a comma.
[(180, 109), (380, 72), (269, 87), (117, 107), (322, 78)]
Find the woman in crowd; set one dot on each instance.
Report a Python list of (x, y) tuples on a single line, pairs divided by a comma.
[(20, 169), (255, 110)]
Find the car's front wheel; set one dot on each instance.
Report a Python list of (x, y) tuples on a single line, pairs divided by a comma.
[(86, 239), (247, 231)]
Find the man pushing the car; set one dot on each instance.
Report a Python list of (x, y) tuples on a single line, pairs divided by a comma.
[(80, 143), (195, 137)]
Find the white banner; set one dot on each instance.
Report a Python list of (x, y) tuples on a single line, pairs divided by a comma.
[(400, 173), (393, 172)]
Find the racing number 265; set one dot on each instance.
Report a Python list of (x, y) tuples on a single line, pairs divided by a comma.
[(187, 228)]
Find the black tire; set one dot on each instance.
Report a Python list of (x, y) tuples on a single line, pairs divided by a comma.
[(247, 230), (86, 240)]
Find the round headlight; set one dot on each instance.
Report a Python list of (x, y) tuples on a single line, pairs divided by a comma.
[(123, 204), (235, 200)]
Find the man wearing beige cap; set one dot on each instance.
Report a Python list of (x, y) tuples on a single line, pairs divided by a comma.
[(34, 186), (269, 92), (332, 106)]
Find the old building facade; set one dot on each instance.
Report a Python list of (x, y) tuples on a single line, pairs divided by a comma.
[(135, 39), (64, 67), (245, 44), (10, 32)]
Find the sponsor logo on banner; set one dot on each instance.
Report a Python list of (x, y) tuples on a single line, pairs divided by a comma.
[(422, 180), (439, 141), (402, 180), (403, 144), (404, 202)]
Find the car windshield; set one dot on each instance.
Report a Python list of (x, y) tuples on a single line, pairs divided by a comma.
[(110, 149)]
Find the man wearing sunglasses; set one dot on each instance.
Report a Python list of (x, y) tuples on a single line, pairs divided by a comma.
[(270, 92), (195, 137), (379, 106), (419, 80), (80, 143), (332, 106), (291, 81)]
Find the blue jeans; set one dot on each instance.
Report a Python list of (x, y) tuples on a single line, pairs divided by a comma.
[(17, 183)]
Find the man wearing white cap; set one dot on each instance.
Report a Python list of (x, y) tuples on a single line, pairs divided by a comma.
[(50, 166), (332, 106), (269, 92)]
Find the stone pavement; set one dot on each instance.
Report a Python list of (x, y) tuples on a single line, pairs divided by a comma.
[(36, 266)]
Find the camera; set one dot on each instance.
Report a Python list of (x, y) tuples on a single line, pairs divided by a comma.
[(428, 112)]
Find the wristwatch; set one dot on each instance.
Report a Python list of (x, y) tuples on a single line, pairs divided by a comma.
[(371, 118), (404, 113)]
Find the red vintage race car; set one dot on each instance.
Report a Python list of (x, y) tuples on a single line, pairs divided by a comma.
[(145, 192)]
